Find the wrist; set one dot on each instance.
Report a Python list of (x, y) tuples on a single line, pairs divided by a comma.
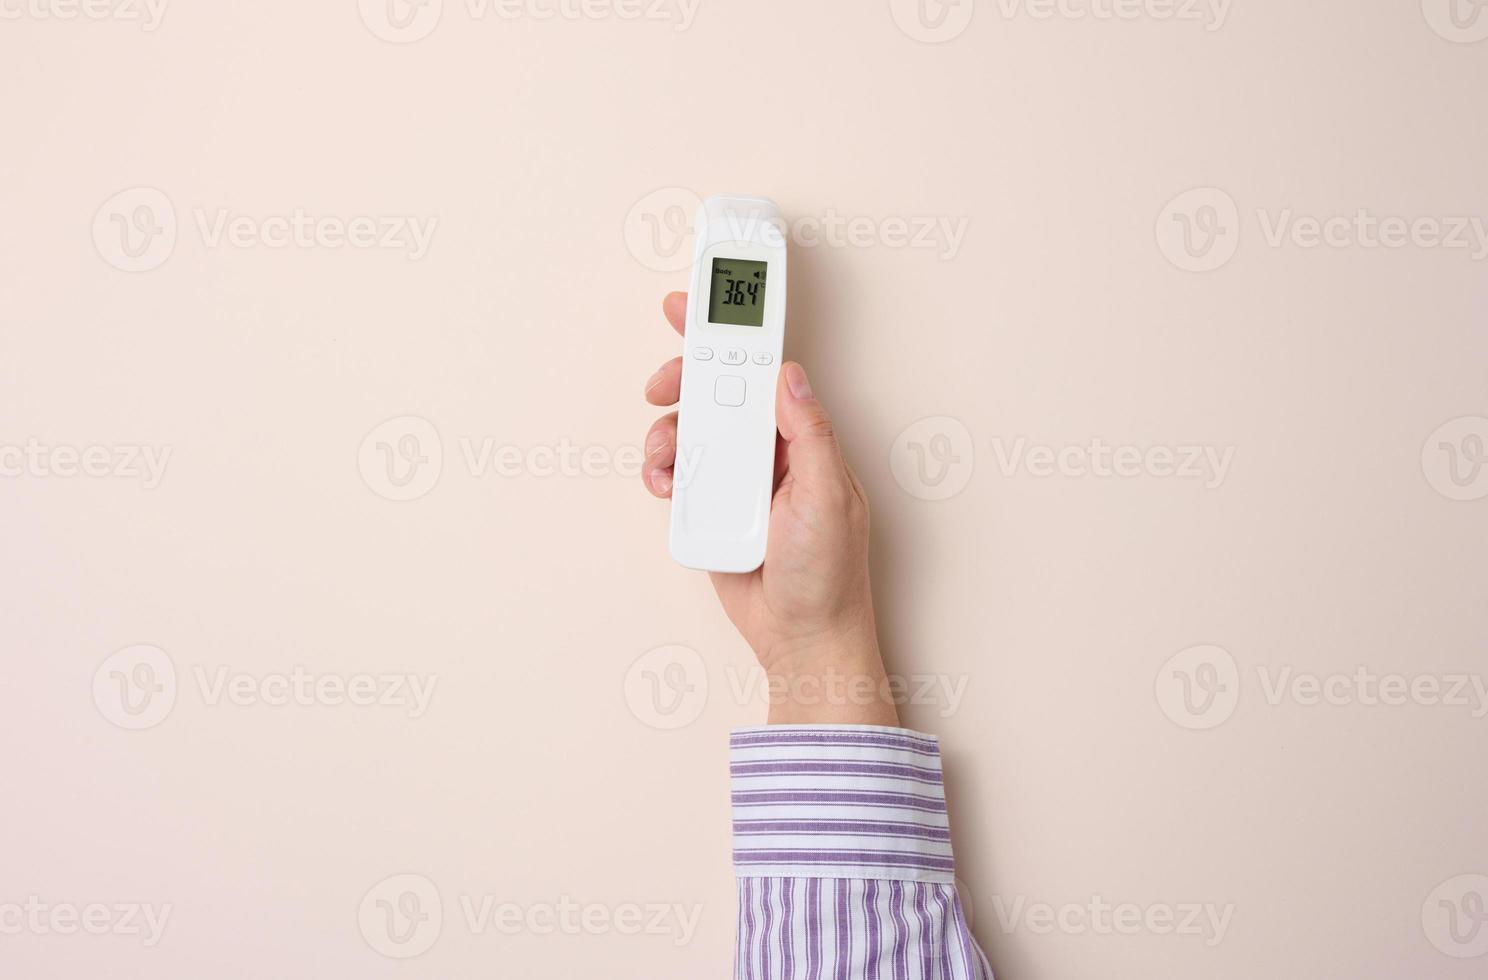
[(833, 678)]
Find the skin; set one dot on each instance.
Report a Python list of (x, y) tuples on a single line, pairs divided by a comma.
[(808, 611)]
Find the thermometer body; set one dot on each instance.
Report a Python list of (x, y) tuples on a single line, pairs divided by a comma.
[(725, 471)]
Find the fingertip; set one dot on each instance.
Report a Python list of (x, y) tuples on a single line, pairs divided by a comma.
[(674, 305), (796, 381)]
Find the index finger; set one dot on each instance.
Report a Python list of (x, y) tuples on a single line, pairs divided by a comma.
[(675, 308)]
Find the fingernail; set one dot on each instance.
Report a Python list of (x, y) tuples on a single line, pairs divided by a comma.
[(653, 381), (655, 442), (662, 481), (795, 379)]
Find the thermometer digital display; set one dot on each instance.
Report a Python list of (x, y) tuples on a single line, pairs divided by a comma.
[(737, 294)]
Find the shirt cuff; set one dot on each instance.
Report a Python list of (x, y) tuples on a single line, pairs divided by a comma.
[(839, 801)]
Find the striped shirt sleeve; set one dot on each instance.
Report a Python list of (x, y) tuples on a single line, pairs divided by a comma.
[(842, 849)]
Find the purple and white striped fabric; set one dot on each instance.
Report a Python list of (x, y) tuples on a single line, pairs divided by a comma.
[(842, 848)]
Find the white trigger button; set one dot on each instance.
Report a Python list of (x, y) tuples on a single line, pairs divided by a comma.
[(728, 391)]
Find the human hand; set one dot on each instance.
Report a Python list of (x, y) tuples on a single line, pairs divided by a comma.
[(807, 612)]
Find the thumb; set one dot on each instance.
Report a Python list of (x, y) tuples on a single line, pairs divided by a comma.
[(810, 439)]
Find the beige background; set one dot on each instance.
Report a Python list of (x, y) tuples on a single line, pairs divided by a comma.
[(543, 769)]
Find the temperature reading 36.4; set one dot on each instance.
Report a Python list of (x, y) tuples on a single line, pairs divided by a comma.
[(738, 294)]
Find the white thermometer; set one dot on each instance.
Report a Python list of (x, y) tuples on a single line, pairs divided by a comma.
[(725, 469)]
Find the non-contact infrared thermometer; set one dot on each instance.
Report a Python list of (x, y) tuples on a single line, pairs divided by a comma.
[(725, 470)]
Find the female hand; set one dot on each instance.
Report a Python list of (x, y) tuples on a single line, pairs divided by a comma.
[(808, 611)]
